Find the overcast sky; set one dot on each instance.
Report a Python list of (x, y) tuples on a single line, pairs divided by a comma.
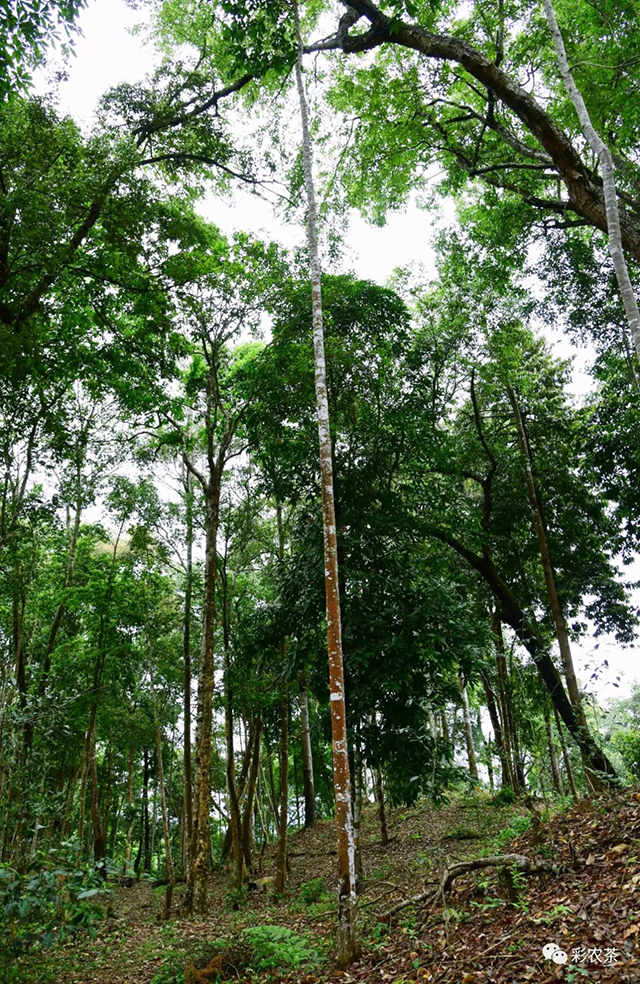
[(107, 54)]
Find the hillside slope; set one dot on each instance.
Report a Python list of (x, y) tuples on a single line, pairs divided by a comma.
[(488, 928)]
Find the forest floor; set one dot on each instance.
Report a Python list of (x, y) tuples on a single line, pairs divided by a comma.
[(590, 909)]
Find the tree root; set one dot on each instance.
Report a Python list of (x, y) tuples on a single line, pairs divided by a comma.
[(526, 865)]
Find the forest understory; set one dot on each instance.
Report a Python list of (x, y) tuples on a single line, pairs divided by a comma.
[(480, 932)]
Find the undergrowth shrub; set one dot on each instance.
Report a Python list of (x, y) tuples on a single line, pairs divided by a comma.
[(628, 745), (314, 890), (518, 826), (504, 797), (278, 947), (52, 901)]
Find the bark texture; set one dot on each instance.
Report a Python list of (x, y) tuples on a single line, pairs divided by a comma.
[(348, 946)]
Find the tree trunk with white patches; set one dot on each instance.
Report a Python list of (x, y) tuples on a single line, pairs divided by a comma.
[(603, 154), (468, 732), (347, 941)]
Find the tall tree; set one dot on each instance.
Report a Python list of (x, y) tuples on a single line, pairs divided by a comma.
[(348, 944)]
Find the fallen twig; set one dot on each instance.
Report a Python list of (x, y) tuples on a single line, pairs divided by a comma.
[(519, 861)]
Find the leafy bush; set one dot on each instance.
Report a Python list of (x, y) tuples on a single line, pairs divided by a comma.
[(52, 901), (277, 946), (519, 825), (313, 890), (628, 744), (504, 797)]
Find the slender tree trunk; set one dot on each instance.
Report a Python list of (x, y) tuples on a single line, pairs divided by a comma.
[(272, 785), (201, 841), (115, 824), (295, 787), (468, 732), (264, 826), (143, 861), (565, 757), (235, 818), (19, 602), (348, 944), (86, 766), (127, 849), (486, 747), (506, 778), (603, 154), (186, 650), (68, 582), (36, 826), (239, 786), (553, 760), (268, 793), (247, 818), (169, 869), (357, 807), (154, 822), (509, 735), (281, 866), (554, 601), (99, 830), (101, 655), (382, 813), (307, 755)]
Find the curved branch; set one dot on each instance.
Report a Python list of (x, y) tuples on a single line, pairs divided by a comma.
[(524, 864), (587, 198)]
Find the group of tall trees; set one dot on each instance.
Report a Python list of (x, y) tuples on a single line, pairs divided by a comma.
[(179, 554)]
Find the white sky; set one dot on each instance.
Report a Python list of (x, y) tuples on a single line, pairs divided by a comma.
[(107, 54)]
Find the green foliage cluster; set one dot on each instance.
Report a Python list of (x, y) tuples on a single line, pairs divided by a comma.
[(518, 825), (313, 890), (274, 947), (48, 904), (628, 744)]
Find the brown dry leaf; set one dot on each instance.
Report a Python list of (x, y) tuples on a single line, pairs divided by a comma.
[(631, 931)]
